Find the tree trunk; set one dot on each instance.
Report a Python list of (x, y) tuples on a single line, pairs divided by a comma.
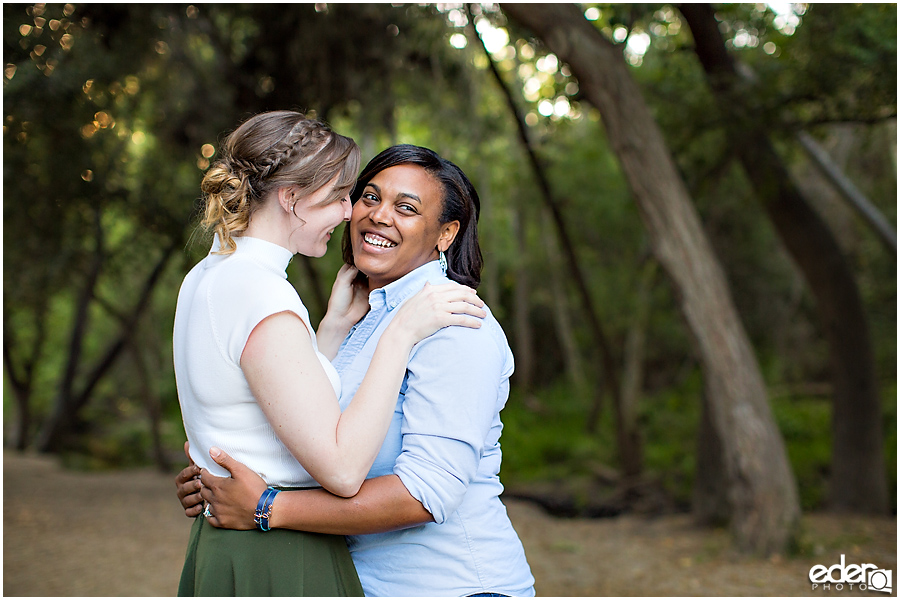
[(490, 279), (761, 488), (63, 416), (710, 504), (608, 363), (314, 286), (562, 312), (522, 307), (22, 379), (21, 387), (858, 480), (69, 403), (150, 398), (633, 362)]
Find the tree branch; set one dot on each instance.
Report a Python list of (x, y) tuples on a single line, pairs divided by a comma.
[(855, 198), (127, 330)]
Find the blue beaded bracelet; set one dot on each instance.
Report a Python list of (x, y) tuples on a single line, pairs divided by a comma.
[(264, 509)]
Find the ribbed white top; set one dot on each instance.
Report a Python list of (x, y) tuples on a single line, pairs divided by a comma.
[(220, 302)]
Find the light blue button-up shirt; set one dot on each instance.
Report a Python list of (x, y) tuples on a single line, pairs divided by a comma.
[(443, 443)]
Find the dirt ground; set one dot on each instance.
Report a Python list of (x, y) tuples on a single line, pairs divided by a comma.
[(123, 534)]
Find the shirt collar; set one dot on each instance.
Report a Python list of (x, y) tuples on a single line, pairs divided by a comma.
[(266, 254), (397, 291)]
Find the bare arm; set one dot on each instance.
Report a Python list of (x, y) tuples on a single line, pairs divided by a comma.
[(382, 504), (293, 391)]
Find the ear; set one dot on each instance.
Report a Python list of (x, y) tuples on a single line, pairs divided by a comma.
[(286, 197), (448, 234)]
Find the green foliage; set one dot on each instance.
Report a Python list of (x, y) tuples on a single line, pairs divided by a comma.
[(669, 422), (802, 421), (549, 442), (545, 439), (105, 131)]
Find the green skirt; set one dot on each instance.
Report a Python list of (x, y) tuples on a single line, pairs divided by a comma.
[(279, 562)]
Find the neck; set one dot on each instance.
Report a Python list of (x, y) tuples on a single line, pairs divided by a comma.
[(270, 225), (380, 283), (377, 285)]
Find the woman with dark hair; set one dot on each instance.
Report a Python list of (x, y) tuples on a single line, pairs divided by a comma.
[(429, 520), (460, 203), (255, 379)]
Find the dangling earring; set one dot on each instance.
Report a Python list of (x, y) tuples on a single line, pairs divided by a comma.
[(442, 259)]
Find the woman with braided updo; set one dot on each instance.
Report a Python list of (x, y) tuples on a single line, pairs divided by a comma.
[(429, 520), (254, 378)]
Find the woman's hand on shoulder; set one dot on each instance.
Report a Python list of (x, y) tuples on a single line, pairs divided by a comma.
[(437, 306)]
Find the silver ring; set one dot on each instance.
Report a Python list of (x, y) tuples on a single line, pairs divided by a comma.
[(206, 512)]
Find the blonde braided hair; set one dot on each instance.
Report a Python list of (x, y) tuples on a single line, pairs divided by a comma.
[(268, 151)]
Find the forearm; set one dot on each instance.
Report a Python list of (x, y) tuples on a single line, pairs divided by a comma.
[(382, 504), (336, 448), (364, 423)]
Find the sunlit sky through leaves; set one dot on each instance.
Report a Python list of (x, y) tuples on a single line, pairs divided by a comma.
[(539, 76), (545, 83)]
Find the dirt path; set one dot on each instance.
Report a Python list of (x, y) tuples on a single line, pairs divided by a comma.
[(122, 534)]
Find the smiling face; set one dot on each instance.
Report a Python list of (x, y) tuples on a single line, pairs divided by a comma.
[(316, 217), (395, 225)]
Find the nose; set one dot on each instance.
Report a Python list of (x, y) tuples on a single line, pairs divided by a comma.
[(348, 208), (381, 214)]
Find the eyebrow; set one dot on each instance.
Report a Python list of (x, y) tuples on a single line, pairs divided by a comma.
[(409, 195)]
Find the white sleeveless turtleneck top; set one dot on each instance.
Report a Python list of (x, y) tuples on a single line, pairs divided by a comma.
[(220, 302)]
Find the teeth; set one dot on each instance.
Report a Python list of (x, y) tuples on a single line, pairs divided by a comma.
[(381, 243)]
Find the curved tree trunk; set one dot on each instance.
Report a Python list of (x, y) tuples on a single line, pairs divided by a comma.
[(63, 416), (858, 480), (70, 402), (21, 387), (21, 373), (761, 487), (628, 454)]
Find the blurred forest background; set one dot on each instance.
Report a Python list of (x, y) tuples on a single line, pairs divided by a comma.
[(688, 218)]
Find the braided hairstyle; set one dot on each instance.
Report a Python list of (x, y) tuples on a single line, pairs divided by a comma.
[(268, 151)]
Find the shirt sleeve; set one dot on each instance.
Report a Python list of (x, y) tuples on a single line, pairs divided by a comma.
[(450, 402)]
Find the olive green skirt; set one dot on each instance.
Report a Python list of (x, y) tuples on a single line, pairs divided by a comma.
[(279, 562)]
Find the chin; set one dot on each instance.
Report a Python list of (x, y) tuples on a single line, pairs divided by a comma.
[(368, 267), (314, 252), (364, 265)]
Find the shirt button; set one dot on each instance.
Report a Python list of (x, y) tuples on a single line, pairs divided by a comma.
[(393, 304)]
